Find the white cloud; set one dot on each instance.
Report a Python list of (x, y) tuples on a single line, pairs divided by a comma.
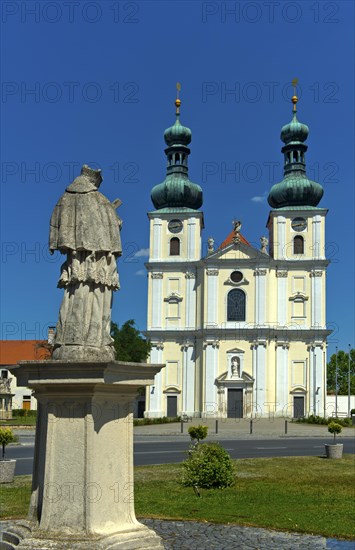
[(259, 198), (142, 253), (141, 272)]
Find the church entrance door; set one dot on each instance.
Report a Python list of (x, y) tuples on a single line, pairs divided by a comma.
[(298, 406), (172, 406), (235, 403)]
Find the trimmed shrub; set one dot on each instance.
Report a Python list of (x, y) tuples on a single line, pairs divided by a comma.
[(313, 419), (149, 421), (6, 437), (23, 412), (334, 428), (209, 466), (198, 432)]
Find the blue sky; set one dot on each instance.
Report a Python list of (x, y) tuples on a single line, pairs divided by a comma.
[(94, 82)]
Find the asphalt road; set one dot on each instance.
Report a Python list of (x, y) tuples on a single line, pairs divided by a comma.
[(168, 452)]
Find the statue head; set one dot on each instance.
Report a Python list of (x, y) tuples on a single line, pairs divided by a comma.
[(92, 174), (89, 180)]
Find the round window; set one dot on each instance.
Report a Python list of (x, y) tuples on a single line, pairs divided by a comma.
[(236, 276)]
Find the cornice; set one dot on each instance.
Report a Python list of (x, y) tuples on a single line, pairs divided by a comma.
[(251, 334)]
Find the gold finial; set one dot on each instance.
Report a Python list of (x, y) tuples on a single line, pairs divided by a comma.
[(177, 100), (294, 98)]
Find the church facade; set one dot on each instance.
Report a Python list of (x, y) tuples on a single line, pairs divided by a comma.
[(242, 331)]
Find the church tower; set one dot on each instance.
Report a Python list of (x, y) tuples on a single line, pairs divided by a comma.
[(297, 244), (175, 249)]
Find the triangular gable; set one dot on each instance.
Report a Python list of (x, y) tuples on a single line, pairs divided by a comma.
[(229, 240), (236, 251)]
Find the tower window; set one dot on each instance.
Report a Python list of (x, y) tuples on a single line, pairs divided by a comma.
[(174, 246), (236, 305), (295, 156), (298, 245)]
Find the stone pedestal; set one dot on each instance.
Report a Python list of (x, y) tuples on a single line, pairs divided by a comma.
[(82, 492)]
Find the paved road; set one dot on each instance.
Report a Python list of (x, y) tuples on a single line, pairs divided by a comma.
[(168, 452)]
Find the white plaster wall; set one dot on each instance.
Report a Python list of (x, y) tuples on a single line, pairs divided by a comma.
[(210, 405), (188, 380)]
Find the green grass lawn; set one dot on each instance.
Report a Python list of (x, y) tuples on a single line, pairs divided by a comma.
[(302, 494)]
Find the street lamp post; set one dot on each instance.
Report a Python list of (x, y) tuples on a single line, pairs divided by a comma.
[(349, 379), (336, 381)]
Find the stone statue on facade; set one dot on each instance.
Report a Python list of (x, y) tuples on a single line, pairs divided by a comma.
[(237, 226), (235, 367), (210, 245), (264, 244), (84, 226)]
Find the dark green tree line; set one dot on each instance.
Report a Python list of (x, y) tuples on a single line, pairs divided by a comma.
[(129, 343), (343, 370)]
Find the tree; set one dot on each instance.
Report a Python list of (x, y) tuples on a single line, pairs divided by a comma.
[(129, 344), (343, 370)]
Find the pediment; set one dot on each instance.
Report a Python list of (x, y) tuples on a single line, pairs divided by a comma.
[(224, 378), (173, 297), (172, 389), (237, 251)]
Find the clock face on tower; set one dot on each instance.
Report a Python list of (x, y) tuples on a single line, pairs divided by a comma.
[(299, 224), (175, 226)]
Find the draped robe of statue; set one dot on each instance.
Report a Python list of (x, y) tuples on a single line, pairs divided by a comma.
[(84, 226)]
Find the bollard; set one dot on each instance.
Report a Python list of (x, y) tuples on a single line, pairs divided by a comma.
[(216, 426), (251, 426), (285, 427), (182, 426)]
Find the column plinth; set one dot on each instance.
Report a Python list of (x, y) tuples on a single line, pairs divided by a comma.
[(82, 488)]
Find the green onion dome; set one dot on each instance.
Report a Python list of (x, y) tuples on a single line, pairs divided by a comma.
[(177, 134), (177, 191), (294, 131), (295, 189)]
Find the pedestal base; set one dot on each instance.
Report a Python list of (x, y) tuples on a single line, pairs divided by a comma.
[(82, 485), (26, 535)]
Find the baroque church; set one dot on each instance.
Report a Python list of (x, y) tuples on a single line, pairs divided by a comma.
[(242, 331)]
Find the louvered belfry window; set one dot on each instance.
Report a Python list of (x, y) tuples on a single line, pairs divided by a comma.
[(236, 305), (174, 246)]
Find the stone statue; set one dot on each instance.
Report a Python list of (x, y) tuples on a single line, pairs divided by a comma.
[(235, 366), (237, 225), (264, 244), (210, 245), (85, 227)]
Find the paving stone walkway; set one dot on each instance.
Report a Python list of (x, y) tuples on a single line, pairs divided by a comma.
[(190, 535)]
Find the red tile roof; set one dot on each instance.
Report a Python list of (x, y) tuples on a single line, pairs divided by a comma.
[(230, 238), (13, 351)]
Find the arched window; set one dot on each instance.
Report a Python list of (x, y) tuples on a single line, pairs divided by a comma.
[(298, 245), (236, 305), (174, 246)]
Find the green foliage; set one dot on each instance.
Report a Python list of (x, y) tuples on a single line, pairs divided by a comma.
[(24, 413), (6, 437), (149, 421), (209, 466), (198, 432), (129, 344), (313, 419), (352, 411), (343, 370), (334, 428)]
